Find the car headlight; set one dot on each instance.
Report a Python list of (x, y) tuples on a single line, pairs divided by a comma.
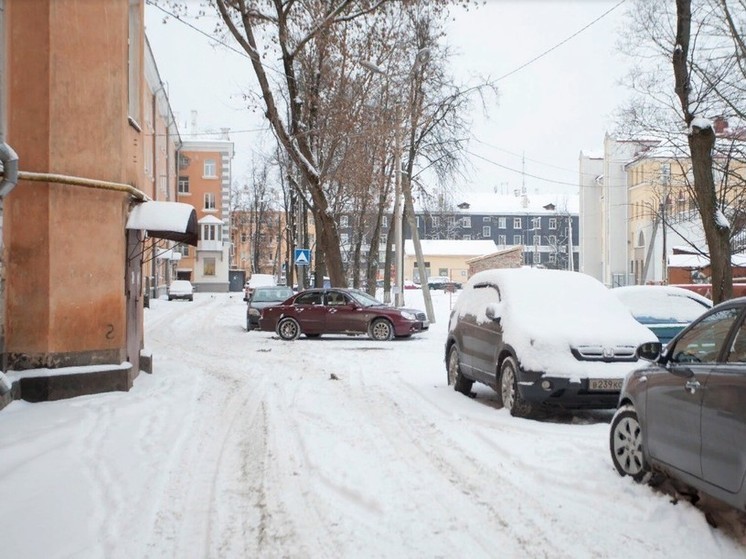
[(254, 312), (408, 315)]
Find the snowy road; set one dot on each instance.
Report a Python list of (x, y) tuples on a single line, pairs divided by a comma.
[(241, 445)]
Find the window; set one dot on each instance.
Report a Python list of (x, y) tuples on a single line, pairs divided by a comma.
[(344, 221), (466, 237), (552, 240), (537, 240), (466, 222), (702, 344), (486, 219), (537, 257), (183, 249), (436, 221), (210, 233), (516, 223), (183, 185), (553, 223), (451, 221), (552, 258), (382, 242), (344, 238), (385, 221), (208, 266), (517, 240), (210, 168), (486, 231), (536, 223), (501, 223), (209, 201), (312, 298), (501, 240)]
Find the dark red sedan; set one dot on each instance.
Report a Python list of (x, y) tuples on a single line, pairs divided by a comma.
[(314, 312)]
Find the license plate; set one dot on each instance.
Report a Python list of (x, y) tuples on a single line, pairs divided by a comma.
[(605, 384)]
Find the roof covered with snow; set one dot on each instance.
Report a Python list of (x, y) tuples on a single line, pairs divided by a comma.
[(452, 247), (509, 204)]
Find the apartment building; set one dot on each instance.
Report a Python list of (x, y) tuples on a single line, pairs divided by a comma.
[(77, 110), (204, 182)]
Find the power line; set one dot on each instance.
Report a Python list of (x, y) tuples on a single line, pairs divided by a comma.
[(578, 32)]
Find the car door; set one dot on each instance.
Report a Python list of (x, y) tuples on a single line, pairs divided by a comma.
[(674, 396), (342, 315), (483, 338), (310, 312), (724, 418)]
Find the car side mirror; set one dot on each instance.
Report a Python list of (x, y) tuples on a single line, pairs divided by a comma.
[(650, 351), (491, 313)]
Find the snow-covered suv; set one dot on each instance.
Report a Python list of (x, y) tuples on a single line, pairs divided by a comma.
[(542, 337)]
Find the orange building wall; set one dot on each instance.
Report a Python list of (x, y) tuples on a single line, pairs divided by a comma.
[(65, 245)]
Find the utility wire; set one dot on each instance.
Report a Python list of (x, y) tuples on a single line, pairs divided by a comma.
[(578, 32)]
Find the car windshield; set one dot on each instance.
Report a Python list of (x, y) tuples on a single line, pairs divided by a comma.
[(262, 295), (659, 306), (364, 299)]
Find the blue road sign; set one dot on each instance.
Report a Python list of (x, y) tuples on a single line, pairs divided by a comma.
[(302, 256)]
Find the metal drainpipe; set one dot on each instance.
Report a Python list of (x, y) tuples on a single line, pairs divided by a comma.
[(9, 159)]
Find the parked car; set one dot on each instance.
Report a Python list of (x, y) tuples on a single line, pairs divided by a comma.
[(665, 309), (442, 282), (181, 289), (314, 312), (261, 298), (684, 414), (542, 338), (257, 280)]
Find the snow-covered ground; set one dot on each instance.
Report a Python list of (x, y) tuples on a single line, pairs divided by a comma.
[(242, 445)]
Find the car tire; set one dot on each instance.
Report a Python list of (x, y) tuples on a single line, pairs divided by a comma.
[(381, 330), (455, 376), (509, 395), (288, 329), (625, 444)]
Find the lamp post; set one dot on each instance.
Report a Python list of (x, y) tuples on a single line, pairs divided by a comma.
[(398, 215)]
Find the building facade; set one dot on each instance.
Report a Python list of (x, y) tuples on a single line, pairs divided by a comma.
[(204, 182)]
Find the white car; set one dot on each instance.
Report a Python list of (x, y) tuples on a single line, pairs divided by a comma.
[(181, 289)]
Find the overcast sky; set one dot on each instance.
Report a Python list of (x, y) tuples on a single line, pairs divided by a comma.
[(547, 112)]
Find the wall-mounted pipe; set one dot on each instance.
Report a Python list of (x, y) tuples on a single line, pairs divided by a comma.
[(9, 159), (75, 181)]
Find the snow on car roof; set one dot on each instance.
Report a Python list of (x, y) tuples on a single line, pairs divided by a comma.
[(544, 313), (662, 303)]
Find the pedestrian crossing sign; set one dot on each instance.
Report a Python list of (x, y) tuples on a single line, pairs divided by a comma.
[(302, 257)]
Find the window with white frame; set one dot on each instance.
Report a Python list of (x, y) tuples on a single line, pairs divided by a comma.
[(552, 240), (537, 240), (209, 201), (344, 221), (382, 242), (451, 221), (537, 257), (344, 238), (183, 185), (210, 169), (516, 223), (436, 221), (486, 231), (211, 232), (501, 240), (183, 249), (466, 221), (501, 223), (552, 258), (466, 237), (553, 223), (517, 240), (385, 221), (486, 219)]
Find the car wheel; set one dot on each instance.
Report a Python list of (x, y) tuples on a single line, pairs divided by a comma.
[(625, 444), (170, 298), (455, 377), (288, 329), (511, 398), (381, 330)]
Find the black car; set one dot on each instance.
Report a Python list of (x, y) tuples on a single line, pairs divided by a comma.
[(261, 298), (684, 414)]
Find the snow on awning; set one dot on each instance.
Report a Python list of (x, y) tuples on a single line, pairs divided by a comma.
[(174, 221), (168, 254)]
